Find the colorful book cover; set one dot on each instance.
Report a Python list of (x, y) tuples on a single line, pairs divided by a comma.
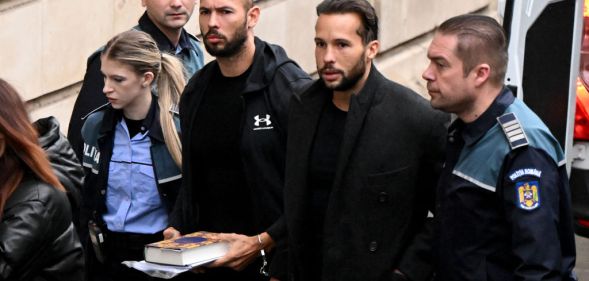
[(188, 241)]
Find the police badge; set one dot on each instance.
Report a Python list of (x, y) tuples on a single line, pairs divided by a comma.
[(528, 195)]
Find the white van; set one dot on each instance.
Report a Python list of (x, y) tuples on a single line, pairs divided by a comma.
[(549, 69)]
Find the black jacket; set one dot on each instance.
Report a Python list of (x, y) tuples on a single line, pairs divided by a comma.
[(509, 217), (272, 80), (37, 237), (65, 164), (389, 160)]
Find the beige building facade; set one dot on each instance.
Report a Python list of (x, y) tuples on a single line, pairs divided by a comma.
[(44, 44)]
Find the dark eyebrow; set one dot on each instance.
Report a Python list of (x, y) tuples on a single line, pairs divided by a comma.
[(217, 9), (340, 40), (437, 58)]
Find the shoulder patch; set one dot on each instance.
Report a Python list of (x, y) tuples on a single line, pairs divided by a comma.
[(513, 130), (528, 195), (525, 172)]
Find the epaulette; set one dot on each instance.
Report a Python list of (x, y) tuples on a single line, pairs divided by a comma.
[(193, 37), (174, 109), (513, 130), (95, 110)]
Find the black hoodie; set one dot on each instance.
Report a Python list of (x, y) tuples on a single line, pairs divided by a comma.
[(272, 81)]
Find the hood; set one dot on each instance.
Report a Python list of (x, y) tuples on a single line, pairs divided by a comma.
[(63, 160), (267, 59)]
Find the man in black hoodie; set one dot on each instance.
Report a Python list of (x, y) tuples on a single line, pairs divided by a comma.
[(233, 119)]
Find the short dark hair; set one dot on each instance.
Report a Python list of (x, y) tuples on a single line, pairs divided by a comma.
[(248, 4), (362, 8), (480, 39)]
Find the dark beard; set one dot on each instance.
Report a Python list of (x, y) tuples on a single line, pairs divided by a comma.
[(231, 48), (352, 79)]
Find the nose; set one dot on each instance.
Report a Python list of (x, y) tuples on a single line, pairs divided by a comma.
[(212, 21), (107, 88), (328, 55), (175, 4), (427, 73)]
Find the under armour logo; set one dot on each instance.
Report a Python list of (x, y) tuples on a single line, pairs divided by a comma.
[(265, 121), (262, 120)]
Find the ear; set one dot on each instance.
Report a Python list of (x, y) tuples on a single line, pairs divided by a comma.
[(147, 79), (253, 16), (481, 73), (372, 49)]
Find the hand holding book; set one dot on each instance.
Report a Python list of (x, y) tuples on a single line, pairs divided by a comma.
[(171, 233), (243, 249), (188, 249)]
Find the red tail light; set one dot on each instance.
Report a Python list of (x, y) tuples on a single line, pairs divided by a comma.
[(583, 223), (582, 113)]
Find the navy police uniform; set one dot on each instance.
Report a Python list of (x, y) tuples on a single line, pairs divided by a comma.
[(503, 205)]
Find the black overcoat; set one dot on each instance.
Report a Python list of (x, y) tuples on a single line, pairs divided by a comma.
[(377, 213)]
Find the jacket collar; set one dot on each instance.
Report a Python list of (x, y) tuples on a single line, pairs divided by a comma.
[(160, 38), (267, 59), (308, 113), (152, 121), (474, 131), (360, 104), (362, 99), (25, 189), (113, 116), (258, 77)]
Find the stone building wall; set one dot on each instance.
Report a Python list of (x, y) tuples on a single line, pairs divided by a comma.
[(44, 44)]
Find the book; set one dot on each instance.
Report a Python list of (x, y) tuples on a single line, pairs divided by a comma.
[(197, 247)]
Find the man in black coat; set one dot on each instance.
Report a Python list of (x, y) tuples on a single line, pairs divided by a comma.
[(363, 156)]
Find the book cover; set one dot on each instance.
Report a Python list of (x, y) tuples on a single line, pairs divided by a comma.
[(187, 249)]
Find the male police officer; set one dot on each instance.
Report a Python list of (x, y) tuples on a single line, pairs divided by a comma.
[(503, 210)]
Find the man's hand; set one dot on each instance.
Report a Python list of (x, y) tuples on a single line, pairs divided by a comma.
[(243, 250), (171, 233)]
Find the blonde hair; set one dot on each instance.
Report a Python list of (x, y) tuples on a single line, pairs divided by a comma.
[(138, 50)]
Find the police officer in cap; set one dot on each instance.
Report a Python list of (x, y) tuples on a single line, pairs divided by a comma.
[(503, 205)]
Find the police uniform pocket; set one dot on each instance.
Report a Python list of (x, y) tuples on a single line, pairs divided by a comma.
[(146, 185)]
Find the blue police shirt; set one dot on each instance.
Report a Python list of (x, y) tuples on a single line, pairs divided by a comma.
[(133, 202)]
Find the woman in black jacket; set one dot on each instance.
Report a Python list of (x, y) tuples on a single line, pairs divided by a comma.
[(37, 237)]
